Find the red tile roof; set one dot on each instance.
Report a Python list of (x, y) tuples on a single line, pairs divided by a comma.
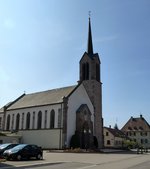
[(136, 124)]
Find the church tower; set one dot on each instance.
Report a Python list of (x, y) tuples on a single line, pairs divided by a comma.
[(90, 78)]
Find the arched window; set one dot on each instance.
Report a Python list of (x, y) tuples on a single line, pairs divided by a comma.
[(52, 119), (97, 72), (28, 121), (17, 121), (22, 123), (39, 122), (8, 122), (85, 71), (45, 123), (12, 122), (33, 123)]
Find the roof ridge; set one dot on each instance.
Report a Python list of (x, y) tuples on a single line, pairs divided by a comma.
[(48, 97), (51, 90)]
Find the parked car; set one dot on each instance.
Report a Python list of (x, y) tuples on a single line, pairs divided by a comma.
[(24, 151), (4, 147)]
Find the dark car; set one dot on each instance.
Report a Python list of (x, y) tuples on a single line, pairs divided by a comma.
[(6, 146), (24, 151)]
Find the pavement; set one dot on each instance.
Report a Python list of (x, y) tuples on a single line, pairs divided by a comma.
[(92, 158), (108, 159)]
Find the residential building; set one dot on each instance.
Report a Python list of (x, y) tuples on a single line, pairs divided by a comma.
[(113, 138), (138, 130)]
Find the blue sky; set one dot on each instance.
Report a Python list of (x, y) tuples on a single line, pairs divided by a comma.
[(42, 41)]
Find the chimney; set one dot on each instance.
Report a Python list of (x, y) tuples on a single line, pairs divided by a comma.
[(141, 116)]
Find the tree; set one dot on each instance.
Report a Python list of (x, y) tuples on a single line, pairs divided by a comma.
[(75, 141), (130, 144), (116, 127)]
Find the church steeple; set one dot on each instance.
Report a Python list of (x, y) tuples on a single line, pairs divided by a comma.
[(90, 78), (90, 62), (89, 44)]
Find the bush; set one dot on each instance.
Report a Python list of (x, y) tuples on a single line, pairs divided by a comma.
[(75, 141), (130, 144), (95, 142), (2, 134)]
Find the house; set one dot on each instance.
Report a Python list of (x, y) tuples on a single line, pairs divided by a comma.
[(138, 130), (113, 138), (51, 118)]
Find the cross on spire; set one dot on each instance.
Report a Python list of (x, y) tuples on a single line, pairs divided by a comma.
[(89, 14)]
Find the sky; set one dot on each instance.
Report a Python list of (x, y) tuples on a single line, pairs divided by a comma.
[(42, 41)]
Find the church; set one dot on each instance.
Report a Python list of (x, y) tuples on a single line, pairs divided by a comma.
[(53, 118)]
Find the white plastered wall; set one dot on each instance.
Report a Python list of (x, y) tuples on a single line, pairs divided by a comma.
[(49, 108), (77, 98), (1, 120), (45, 137)]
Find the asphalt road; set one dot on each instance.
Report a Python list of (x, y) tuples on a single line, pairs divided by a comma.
[(83, 161), (72, 165)]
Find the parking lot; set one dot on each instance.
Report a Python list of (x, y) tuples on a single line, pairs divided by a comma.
[(58, 160)]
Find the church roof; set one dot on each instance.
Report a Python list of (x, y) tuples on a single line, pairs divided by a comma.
[(48, 97), (2, 110)]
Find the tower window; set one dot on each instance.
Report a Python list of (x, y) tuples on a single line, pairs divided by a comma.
[(97, 72), (85, 71)]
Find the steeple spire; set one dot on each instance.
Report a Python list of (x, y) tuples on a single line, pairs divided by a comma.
[(90, 44)]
